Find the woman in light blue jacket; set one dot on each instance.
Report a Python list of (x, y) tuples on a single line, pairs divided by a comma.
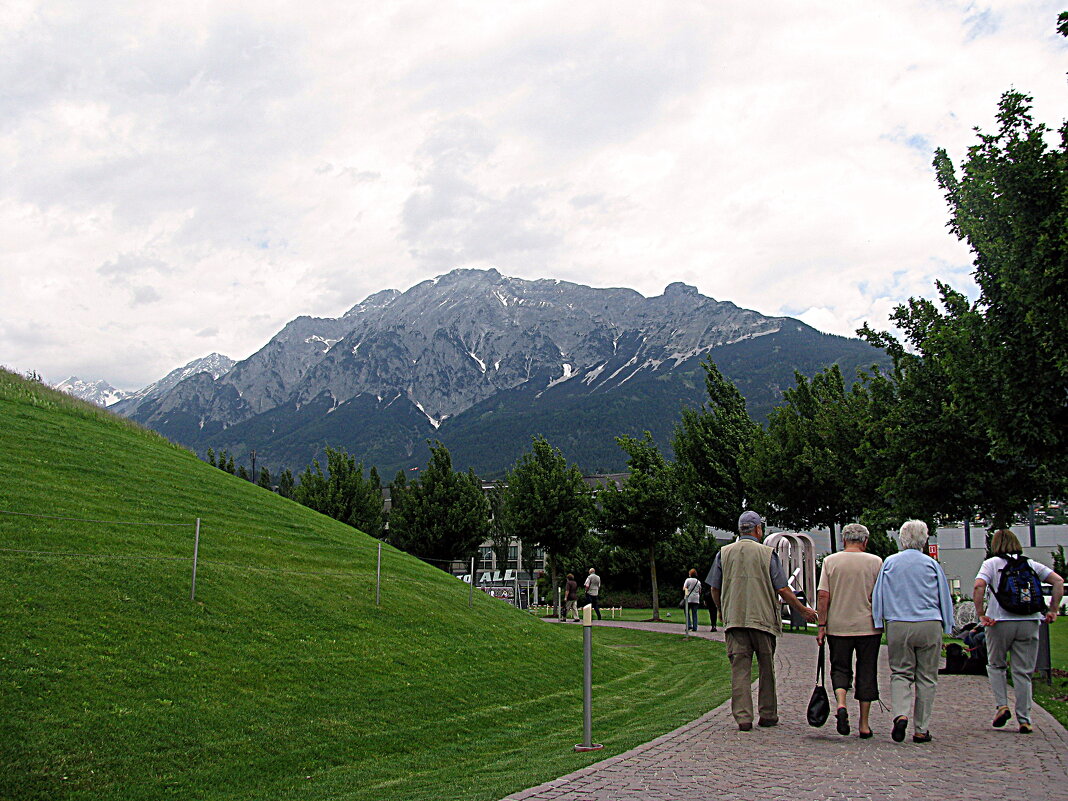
[(911, 601)]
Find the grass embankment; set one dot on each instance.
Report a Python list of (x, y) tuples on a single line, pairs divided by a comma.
[(283, 679)]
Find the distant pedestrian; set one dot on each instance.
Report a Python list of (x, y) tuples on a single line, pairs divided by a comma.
[(571, 597), (691, 599), (593, 592), (844, 606), (747, 581), (1011, 633), (911, 601)]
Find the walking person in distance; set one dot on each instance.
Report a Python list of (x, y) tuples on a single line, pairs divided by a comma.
[(571, 597), (593, 591), (691, 599)]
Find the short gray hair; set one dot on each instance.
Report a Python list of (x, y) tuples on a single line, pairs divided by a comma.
[(913, 535), (855, 532)]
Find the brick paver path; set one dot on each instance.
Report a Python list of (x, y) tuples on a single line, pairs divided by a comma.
[(710, 758)]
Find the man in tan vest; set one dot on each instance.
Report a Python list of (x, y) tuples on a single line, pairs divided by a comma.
[(747, 581)]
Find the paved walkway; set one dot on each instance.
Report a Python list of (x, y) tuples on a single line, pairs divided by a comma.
[(711, 758)]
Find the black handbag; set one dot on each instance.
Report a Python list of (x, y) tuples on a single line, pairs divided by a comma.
[(819, 708)]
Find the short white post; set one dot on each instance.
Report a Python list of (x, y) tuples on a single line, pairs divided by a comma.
[(471, 589), (378, 578), (196, 550)]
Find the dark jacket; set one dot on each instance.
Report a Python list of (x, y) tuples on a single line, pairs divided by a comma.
[(571, 591)]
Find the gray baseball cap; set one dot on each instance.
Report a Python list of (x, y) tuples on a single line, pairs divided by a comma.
[(750, 519)]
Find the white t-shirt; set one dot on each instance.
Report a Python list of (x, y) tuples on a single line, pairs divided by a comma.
[(692, 588), (990, 572)]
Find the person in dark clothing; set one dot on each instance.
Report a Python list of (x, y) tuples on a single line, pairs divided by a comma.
[(571, 597)]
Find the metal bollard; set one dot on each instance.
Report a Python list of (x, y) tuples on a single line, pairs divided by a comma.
[(587, 682)]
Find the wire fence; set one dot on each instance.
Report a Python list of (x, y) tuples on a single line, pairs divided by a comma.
[(228, 539)]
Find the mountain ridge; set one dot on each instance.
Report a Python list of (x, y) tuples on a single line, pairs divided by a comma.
[(420, 364)]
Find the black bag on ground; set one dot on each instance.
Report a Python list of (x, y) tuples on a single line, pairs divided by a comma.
[(819, 708), (1020, 589)]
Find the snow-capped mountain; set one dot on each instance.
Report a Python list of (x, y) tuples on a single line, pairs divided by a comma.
[(474, 352), (215, 364), (99, 392)]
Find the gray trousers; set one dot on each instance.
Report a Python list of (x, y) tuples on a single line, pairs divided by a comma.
[(1020, 639), (914, 648), (741, 645)]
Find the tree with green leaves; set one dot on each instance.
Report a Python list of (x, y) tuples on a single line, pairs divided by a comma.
[(500, 529), (646, 511), (264, 479), (286, 484), (546, 503), (803, 468), (921, 454), (441, 515), (1006, 354), (709, 445), (343, 493)]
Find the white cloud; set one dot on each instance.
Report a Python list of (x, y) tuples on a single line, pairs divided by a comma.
[(178, 179)]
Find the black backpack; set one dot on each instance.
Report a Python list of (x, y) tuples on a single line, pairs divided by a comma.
[(1020, 590)]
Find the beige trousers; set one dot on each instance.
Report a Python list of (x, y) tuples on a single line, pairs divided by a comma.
[(741, 645), (913, 649)]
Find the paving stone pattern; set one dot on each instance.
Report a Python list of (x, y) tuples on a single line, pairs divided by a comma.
[(710, 758)]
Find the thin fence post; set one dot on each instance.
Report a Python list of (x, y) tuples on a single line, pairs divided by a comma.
[(471, 589), (378, 578), (196, 551)]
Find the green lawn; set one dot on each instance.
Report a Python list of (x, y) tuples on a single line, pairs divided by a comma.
[(283, 679), (1054, 699)]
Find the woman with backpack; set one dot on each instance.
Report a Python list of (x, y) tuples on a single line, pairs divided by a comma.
[(1008, 599)]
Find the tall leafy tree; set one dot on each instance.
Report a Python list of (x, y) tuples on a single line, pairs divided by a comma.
[(264, 479), (1006, 356), (286, 484), (709, 445), (343, 493), (546, 503), (441, 515), (646, 511), (803, 469), (922, 454), (500, 528)]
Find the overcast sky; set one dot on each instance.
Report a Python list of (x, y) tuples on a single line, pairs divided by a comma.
[(182, 178)]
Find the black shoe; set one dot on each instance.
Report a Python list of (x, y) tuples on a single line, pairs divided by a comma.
[(767, 723), (900, 724), (866, 735), (922, 738), (745, 727), (1002, 717), (842, 715)]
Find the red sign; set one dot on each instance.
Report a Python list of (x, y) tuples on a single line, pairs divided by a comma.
[(932, 550)]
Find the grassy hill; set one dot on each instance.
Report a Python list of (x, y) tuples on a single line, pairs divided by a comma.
[(283, 679)]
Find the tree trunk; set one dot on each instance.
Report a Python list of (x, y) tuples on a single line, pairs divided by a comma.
[(652, 577)]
